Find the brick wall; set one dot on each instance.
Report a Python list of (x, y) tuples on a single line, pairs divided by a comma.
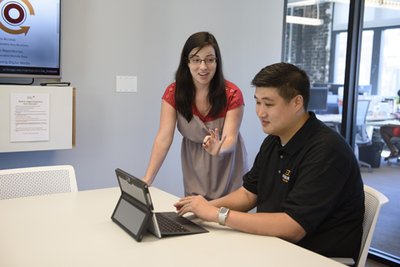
[(309, 46)]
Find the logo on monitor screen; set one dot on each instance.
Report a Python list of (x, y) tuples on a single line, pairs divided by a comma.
[(14, 14)]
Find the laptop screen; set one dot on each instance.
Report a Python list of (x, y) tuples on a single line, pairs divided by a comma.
[(129, 216), (132, 211)]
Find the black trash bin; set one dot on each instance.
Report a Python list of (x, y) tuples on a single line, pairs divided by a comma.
[(371, 153)]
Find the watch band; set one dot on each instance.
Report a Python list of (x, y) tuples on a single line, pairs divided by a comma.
[(222, 215)]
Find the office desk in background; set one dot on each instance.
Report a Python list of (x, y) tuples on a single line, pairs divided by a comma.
[(371, 120), (75, 229)]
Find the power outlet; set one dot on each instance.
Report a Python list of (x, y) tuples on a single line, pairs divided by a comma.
[(126, 84)]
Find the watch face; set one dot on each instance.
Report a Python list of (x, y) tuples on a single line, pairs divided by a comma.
[(222, 214), (224, 210)]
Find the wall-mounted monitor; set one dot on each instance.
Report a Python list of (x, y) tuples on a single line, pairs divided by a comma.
[(30, 38)]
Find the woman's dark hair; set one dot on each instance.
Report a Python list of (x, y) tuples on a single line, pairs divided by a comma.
[(185, 89), (288, 79)]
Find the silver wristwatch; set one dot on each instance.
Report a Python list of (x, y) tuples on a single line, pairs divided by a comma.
[(222, 215)]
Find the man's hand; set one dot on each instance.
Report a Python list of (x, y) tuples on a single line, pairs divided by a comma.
[(199, 206)]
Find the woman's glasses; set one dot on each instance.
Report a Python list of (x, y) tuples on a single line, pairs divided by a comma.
[(207, 60)]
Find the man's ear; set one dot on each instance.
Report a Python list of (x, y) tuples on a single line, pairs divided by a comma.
[(299, 101)]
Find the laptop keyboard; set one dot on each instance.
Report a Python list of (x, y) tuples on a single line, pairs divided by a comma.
[(168, 225)]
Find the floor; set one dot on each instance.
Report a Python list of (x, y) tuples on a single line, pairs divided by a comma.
[(371, 263)]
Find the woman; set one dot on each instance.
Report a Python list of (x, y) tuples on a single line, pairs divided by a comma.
[(207, 111)]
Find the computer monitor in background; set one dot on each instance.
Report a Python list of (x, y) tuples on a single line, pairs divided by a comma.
[(319, 85), (334, 88), (364, 89), (318, 99)]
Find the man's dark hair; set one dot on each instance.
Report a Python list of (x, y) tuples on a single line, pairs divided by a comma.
[(185, 90), (287, 78)]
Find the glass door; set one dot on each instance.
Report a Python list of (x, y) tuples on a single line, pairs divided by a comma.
[(379, 83), (316, 39)]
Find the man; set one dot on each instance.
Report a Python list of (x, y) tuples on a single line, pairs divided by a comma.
[(387, 132), (305, 181)]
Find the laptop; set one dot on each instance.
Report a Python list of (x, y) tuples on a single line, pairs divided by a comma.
[(134, 212)]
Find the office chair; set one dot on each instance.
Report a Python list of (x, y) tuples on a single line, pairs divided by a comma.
[(23, 182), (362, 137), (374, 200)]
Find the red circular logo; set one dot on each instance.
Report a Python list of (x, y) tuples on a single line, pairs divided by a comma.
[(13, 13)]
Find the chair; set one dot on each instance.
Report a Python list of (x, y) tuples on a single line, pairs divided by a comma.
[(362, 137), (374, 200), (23, 182)]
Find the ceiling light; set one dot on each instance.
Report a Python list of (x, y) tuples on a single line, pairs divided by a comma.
[(304, 21)]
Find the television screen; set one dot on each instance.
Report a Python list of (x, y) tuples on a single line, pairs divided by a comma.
[(30, 38)]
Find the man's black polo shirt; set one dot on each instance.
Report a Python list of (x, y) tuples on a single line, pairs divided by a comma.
[(315, 179)]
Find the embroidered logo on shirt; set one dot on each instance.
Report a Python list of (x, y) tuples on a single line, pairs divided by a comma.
[(286, 176)]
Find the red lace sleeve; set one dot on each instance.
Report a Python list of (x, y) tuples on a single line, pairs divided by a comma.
[(169, 95), (234, 96)]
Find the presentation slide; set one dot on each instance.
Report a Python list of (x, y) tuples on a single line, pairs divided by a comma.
[(30, 33)]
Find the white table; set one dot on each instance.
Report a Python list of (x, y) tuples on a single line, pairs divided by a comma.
[(75, 229)]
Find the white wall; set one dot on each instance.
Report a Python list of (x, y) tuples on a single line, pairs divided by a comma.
[(103, 39)]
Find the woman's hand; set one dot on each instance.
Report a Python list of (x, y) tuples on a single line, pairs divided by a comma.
[(212, 143), (147, 180)]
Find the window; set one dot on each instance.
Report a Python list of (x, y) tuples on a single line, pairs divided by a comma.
[(389, 70)]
